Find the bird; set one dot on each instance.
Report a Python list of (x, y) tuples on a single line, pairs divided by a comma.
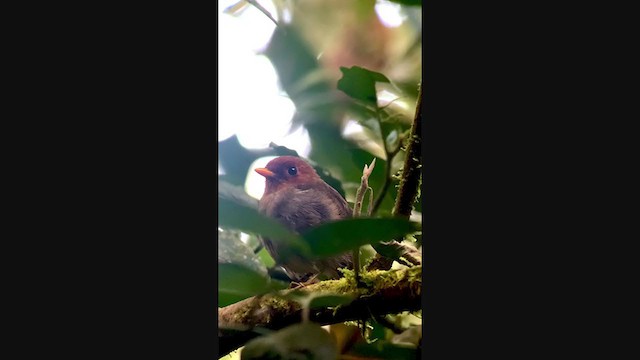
[(297, 197)]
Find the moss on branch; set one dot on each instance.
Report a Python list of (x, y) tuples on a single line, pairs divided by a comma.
[(386, 292)]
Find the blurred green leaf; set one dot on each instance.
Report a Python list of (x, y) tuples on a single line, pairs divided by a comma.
[(236, 194), (265, 258), (360, 83), (299, 341), (235, 159), (343, 235), (283, 150), (377, 331), (231, 250), (236, 282), (238, 216), (296, 63)]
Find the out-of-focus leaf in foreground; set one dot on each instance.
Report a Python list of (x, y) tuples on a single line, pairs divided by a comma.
[(236, 194), (360, 83), (242, 217), (236, 282), (299, 341), (343, 235), (231, 250), (236, 160)]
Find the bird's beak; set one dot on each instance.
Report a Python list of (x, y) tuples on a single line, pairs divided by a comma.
[(265, 172)]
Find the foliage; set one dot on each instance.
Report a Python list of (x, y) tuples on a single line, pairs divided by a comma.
[(330, 90)]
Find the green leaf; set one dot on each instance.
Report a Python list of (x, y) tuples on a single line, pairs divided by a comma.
[(236, 194), (231, 250), (265, 258), (244, 218), (299, 341), (236, 160), (283, 150), (295, 61), (343, 235), (236, 282), (360, 83)]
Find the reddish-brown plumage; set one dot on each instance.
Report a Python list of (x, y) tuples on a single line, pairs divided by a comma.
[(297, 197)]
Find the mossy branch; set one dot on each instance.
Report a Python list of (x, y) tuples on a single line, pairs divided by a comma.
[(387, 292)]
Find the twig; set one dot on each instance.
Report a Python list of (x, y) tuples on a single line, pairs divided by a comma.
[(364, 185), (357, 209)]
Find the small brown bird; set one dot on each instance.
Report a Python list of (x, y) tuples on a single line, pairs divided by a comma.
[(297, 197)]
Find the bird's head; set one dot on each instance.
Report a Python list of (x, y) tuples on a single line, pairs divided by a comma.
[(287, 171)]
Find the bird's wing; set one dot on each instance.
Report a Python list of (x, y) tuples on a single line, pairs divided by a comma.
[(303, 207)]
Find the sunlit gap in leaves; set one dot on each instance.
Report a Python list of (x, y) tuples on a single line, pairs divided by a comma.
[(388, 98), (252, 105), (362, 136), (390, 14), (254, 185), (244, 238)]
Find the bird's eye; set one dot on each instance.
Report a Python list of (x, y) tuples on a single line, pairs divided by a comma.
[(292, 170)]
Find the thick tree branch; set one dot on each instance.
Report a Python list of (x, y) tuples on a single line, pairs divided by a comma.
[(388, 292)]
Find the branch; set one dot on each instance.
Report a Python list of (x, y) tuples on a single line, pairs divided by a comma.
[(407, 193), (388, 292), (410, 180)]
